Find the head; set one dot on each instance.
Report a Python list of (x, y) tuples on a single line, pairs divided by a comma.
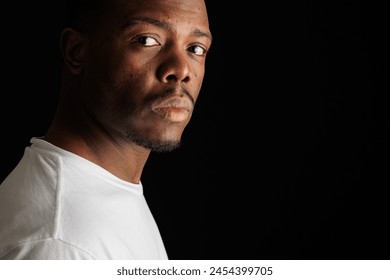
[(134, 68)]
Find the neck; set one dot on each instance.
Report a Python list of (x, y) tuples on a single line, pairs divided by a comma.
[(75, 133)]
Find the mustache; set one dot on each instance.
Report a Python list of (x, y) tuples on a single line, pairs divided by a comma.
[(169, 92)]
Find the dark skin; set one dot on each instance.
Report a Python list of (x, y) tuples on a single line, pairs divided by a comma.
[(130, 84)]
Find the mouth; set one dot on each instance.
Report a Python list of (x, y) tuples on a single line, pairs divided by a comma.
[(173, 109)]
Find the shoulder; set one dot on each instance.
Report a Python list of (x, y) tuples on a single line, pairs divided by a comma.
[(49, 249)]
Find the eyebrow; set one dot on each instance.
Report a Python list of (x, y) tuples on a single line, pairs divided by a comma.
[(162, 24)]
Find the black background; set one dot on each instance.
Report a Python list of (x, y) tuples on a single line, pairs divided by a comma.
[(286, 155)]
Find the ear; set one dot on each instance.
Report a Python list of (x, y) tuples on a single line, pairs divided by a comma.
[(73, 45)]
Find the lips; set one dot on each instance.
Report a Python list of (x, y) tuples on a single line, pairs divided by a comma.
[(175, 109)]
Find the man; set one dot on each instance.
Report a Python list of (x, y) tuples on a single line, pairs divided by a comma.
[(132, 73)]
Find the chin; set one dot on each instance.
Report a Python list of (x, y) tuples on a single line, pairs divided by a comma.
[(162, 144), (157, 140), (166, 147)]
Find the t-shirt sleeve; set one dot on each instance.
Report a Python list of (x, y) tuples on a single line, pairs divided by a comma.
[(52, 249)]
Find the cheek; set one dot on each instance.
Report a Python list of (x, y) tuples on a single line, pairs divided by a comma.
[(197, 91), (116, 91), (128, 72), (199, 73), (123, 78)]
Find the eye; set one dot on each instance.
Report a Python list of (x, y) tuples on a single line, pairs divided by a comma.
[(197, 50), (147, 41)]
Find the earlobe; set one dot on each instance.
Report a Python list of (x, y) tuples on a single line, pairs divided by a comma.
[(72, 50)]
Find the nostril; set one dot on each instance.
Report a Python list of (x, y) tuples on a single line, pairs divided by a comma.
[(171, 78)]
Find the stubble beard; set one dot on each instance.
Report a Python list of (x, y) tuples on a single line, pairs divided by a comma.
[(154, 145)]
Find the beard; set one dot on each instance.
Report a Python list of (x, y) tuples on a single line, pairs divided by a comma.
[(155, 145), (127, 122)]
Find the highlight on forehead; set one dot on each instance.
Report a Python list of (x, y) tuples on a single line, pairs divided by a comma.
[(83, 14), (162, 24)]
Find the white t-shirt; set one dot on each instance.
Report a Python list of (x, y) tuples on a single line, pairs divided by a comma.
[(58, 205)]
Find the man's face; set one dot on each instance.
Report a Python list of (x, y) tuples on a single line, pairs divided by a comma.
[(144, 69)]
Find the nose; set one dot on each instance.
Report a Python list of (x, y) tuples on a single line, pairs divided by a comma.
[(175, 67)]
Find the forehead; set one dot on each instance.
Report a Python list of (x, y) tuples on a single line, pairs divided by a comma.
[(173, 11)]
